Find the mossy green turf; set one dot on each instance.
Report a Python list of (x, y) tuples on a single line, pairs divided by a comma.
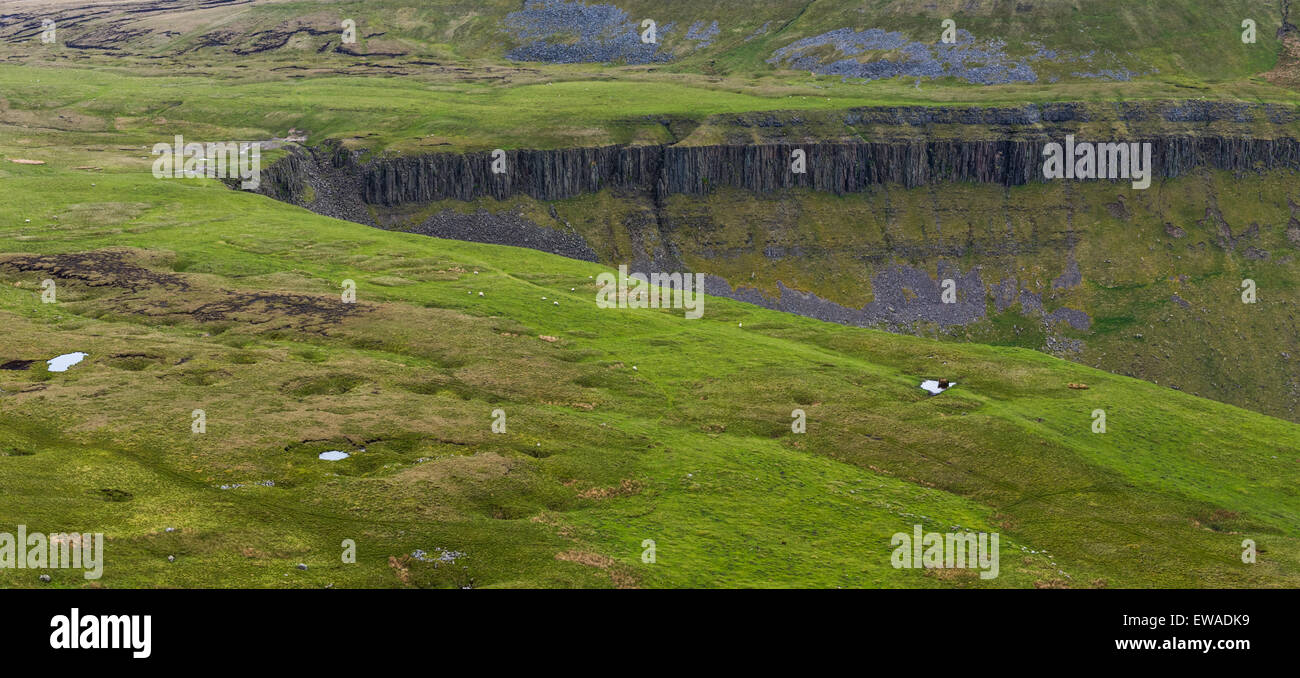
[(1182, 41), (403, 115), (692, 449), (452, 89)]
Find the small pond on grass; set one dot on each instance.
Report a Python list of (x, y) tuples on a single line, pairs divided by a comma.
[(63, 362)]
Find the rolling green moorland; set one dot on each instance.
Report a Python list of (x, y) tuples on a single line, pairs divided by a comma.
[(621, 425)]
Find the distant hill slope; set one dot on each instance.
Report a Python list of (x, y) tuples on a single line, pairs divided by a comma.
[(1043, 41)]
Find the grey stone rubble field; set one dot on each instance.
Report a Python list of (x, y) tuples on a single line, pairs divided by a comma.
[(504, 228), (437, 556), (568, 31), (984, 63), (565, 32), (1120, 75), (703, 35)]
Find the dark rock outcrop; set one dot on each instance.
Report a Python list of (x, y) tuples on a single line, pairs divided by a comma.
[(696, 170), (505, 229)]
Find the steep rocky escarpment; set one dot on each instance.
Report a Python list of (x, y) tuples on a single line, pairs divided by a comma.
[(910, 146), (835, 168), (1139, 282)]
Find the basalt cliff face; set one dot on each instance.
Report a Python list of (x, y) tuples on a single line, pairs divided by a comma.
[(1140, 282), (908, 146), (834, 168)]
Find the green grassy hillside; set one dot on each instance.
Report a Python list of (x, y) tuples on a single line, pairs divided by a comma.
[(625, 426), (1166, 37), (440, 75), (622, 426)]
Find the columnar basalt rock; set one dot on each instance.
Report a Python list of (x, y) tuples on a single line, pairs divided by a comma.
[(545, 175), (696, 170), (836, 168)]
